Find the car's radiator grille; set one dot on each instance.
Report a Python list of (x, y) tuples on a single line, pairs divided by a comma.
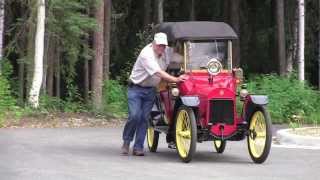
[(221, 111)]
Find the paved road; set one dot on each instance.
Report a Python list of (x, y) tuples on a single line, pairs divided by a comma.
[(90, 154)]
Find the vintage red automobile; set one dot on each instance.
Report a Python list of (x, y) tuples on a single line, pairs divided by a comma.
[(204, 107)]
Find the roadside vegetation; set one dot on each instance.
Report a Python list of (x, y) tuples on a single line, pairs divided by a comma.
[(90, 47), (114, 104), (289, 101)]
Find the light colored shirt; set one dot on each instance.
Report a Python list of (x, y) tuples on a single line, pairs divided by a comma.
[(147, 64)]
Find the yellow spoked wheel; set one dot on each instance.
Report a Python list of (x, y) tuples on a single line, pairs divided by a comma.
[(152, 139), (185, 133), (219, 145), (260, 136)]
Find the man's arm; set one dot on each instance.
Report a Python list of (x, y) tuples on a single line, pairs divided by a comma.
[(168, 77)]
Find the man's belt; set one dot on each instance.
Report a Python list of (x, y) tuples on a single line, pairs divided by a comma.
[(131, 84)]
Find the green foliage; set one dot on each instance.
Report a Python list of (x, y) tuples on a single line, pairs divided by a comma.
[(144, 37), (6, 100), (289, 99), (54, 104), (114, 99), (69, 24), (6, 68)]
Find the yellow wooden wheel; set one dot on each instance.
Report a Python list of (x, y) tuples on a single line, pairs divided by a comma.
[(152, 139), (260, 136), (219, 145), (185, 133)]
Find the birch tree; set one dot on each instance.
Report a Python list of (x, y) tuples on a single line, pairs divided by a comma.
[(301, 41), (38, 58)]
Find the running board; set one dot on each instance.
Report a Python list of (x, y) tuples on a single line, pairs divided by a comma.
[(162, 129)]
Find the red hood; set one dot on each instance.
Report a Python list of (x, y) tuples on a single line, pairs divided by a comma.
[(199, 84)]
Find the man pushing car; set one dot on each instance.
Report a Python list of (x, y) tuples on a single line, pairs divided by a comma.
[(146, 75)]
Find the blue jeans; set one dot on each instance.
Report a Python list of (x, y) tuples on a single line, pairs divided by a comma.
[(140, 103)]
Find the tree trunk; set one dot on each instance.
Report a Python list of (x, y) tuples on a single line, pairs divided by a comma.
[(235, 23), (50, 68), (107, 32), (21, 69), (86, 81), (301, 38), (192, 11), (226, 9), (319, 48), (29, 63), (295, 39), (57, 71), (38, 68), (21, 82), (293, 32), (2, 6), (86, 67), (319, 58), (97, 65), (160, 10), (281, 44), (45, 61), (147, 13)]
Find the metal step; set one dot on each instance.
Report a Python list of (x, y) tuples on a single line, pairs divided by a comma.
[(162, 129)]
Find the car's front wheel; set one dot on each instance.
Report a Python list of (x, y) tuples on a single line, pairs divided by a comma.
[(260, 135), (219, 145), (185, 133)]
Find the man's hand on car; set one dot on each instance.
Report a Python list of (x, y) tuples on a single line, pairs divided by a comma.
[(181, 78)]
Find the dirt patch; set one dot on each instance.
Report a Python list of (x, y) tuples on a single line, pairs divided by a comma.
[(314, 131), (63, 120)]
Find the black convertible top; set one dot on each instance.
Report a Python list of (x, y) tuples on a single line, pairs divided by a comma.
[(196, 30)]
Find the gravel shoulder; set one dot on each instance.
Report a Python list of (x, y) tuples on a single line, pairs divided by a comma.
[(63, 120)]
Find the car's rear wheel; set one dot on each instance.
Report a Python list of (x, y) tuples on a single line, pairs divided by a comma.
[(185, 133), (152, 139), (219, 145), (260, 135)]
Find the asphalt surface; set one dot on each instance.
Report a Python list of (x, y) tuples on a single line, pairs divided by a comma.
[(93, 154)]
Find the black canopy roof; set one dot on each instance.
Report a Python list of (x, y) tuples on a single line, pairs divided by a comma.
[(196, 30)]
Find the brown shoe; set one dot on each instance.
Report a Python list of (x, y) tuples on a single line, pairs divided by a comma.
[(125, 149), (137, 153)]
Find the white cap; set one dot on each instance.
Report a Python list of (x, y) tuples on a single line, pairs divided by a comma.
[(160, 38)]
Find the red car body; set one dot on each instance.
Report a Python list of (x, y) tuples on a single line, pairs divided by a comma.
[(204, 106), (222, 87)]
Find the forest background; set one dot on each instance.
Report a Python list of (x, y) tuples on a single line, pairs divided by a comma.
[(89, 47)]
